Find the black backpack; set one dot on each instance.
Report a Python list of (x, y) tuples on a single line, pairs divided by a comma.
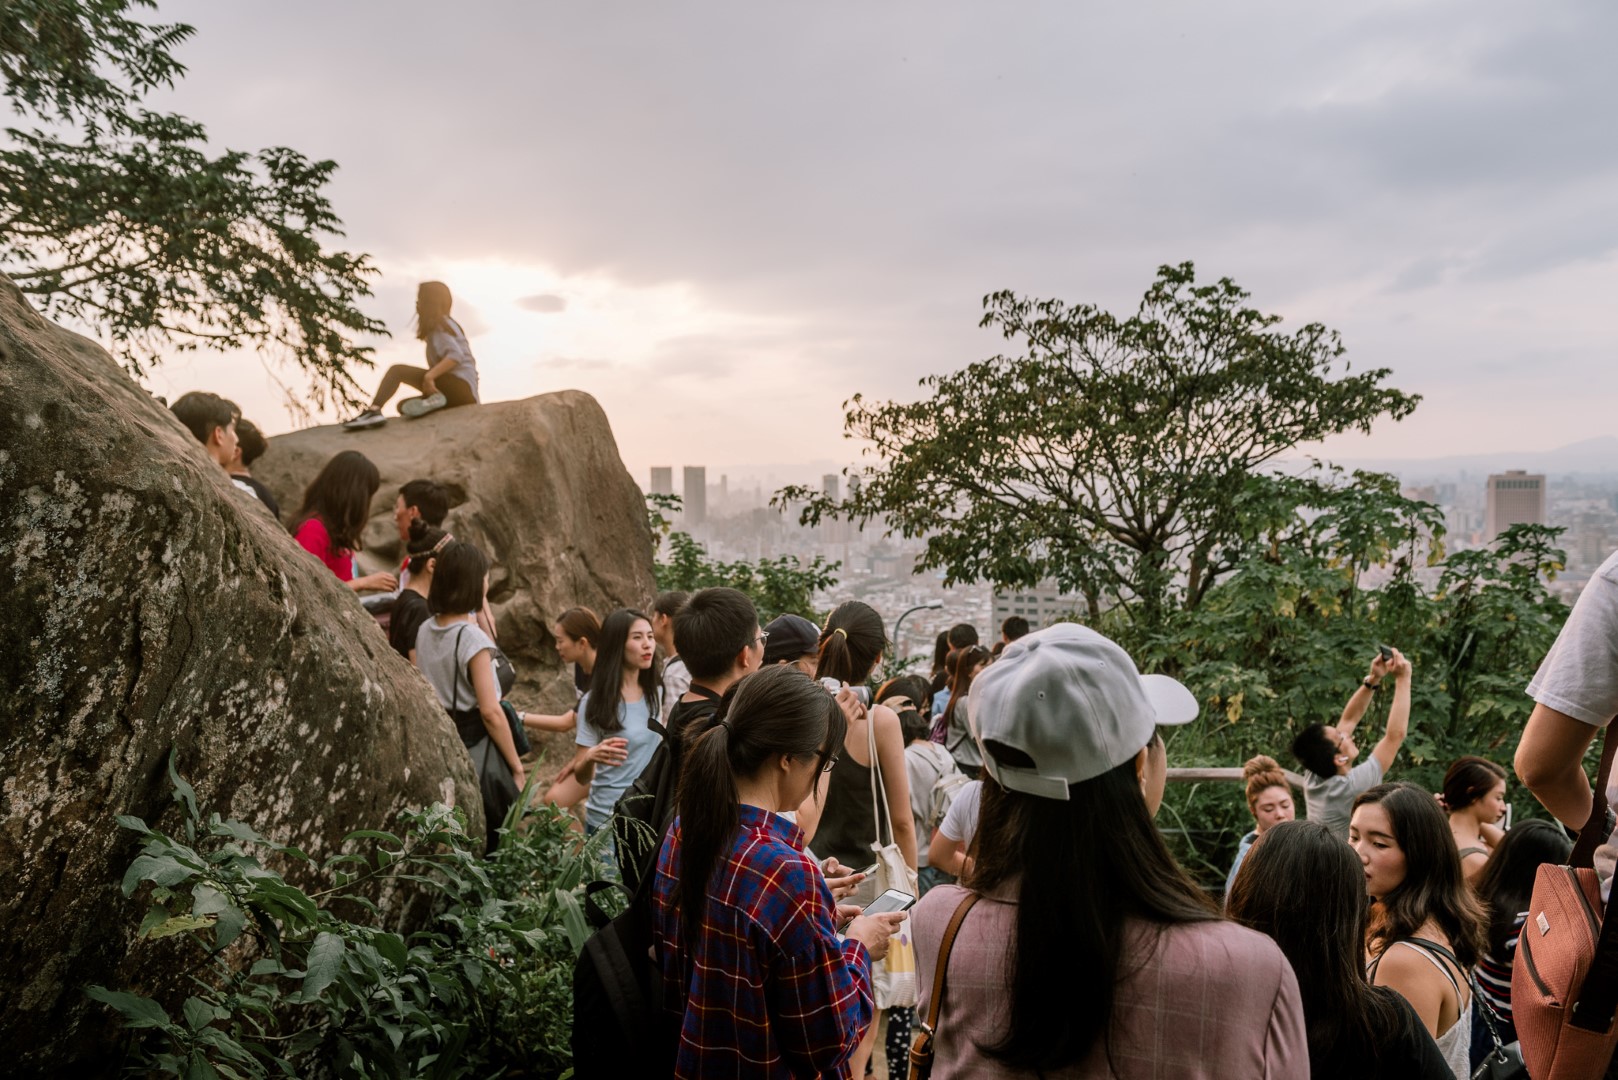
[(643, 812), (619, 1026)]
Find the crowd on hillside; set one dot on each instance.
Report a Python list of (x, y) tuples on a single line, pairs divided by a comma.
[(971, 855)]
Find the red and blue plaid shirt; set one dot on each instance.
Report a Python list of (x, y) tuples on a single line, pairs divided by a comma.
[(766, 989)]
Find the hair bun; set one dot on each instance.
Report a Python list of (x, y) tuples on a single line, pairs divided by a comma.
[(1259, 766), (418, 528)]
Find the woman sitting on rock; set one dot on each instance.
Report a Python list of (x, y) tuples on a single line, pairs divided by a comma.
[(410, 610), (332, 519), (451, 375), (458, 659)]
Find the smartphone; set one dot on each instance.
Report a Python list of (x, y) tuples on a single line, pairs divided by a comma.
[(1387, 653), (892, 900), (868, 871), (1505, 822)]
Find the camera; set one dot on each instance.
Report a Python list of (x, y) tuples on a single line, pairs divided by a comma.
[(863, 693)]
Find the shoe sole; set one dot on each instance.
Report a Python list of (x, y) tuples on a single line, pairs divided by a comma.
[(417, 407), (367, 423)]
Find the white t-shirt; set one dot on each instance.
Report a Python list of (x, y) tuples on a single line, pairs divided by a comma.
[(1579, 676), (1330, 800), (960, 823), (676, 681)]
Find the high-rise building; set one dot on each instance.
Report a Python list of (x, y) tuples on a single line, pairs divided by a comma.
[(662, 480), (1041, 605), (695, 502), (1514, 498), (831, 486)]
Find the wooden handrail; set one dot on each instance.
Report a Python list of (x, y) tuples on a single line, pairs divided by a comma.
[(1194, 775)]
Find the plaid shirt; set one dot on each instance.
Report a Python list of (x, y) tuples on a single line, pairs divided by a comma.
[(768, 991)]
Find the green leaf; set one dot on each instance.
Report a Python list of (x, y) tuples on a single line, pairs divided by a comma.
[(392, 947), (134, 824), (184, 794), (158, 869), (228, 927), (139, 1012), (207, 900), (578, 931), (374, 834), (179, 924), (323, 965), (198, 1013)]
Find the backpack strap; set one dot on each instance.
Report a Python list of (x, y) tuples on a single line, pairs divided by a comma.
[(1597, 1000)]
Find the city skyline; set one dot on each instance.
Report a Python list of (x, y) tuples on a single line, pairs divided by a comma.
[(677, 212)]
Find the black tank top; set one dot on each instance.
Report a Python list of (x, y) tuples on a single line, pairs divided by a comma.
[(847, 829)]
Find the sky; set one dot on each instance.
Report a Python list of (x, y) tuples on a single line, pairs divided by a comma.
[(724, 219)]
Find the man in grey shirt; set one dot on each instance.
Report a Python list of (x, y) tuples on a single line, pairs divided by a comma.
[(1331, 780)]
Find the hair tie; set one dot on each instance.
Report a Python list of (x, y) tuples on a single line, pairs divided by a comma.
[(724, 724), (840, 630)]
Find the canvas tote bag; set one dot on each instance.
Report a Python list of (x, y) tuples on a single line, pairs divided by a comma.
[(893, 978), (1564, 980)]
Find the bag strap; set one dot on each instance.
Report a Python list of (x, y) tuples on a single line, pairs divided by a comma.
[(877, 783), (455, 654), (941, 971), (1594, 832)]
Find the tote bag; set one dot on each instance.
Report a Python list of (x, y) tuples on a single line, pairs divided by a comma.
[(893, 978)]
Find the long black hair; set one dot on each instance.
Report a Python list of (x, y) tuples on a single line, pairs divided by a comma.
[(851, 643), (960, 682), (1507, 880), (1082, 869), (772, 712), (602, 711), (1434, 887), (433, 302), (1301, 885), (340, 496)]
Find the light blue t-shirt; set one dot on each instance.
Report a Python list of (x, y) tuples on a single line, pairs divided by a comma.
[(611, 781), (1241, 853), (451, 341)]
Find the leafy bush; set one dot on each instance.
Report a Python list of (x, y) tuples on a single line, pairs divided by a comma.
[(288, 982)]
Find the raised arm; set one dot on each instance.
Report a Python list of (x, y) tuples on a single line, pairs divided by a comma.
[(1360, 699), (1398, 713), (1550, 763)]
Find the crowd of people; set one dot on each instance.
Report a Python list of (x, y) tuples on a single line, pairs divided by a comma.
[(1368, 930)]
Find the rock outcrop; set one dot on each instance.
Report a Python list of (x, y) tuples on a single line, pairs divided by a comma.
[(537, 484), (149, 607)]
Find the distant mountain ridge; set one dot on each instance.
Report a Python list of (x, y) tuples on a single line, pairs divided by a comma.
[(1589, 456)]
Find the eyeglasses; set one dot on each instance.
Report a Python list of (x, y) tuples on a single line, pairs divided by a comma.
[(763, 636), (831, 763)]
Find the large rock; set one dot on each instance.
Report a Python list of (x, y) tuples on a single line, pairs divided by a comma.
[(150, 606), (536, 484)]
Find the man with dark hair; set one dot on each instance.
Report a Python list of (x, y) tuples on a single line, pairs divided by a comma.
[(1331, 780), (1013, 628), (424, 499), (212, 420), (250, 446), (676, 676), (962, 636)]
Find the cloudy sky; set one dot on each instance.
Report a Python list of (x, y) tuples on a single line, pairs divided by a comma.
[(724, 219)]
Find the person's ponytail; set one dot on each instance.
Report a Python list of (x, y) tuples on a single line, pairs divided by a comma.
[(851, 643), (709, 813)]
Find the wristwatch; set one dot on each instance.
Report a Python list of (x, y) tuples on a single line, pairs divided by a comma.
[(1368, 684)]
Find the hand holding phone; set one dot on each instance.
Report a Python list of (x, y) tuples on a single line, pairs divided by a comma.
[(892, 900)]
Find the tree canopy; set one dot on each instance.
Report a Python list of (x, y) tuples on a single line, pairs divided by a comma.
[(1114, 455), (123, 219)]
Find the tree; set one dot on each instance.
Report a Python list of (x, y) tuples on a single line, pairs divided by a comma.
[(1113, 455), (120, 218)]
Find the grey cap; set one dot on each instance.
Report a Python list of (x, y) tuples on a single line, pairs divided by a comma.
[(1075, 703)]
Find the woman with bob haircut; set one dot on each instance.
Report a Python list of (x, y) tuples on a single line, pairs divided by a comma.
[(953, 724), (1419, 901), (457, 658), (615, 738), (451, 375), (331, 523), (1084, 950), (1355, 1029), (744, 925), (1269, 800), (1474, 793)]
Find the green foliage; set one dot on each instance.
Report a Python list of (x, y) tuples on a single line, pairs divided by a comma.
[(1112, 454), (778, 586), (120, 217), (288, 982)]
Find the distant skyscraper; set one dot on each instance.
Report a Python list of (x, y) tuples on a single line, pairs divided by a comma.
[(662, 480), (1515, 498), (696, 494), (1041, 605), (831, 486)]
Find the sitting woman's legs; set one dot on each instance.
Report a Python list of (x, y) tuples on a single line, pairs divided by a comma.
[(455, 391), (396, 376)]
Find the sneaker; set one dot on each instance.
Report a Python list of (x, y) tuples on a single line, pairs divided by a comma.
[(370, 418), (417, 407)]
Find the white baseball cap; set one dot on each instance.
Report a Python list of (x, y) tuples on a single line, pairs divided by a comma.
[(1075, 703)]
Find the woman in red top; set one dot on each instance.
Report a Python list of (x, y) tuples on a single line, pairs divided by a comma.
[(332, 520), (744, 926)]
